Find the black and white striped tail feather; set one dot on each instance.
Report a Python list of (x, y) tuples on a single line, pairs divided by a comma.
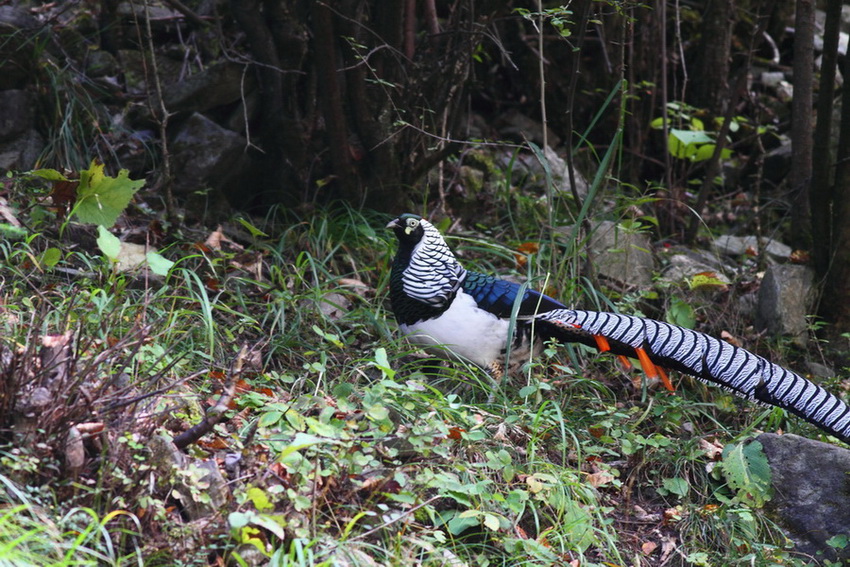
[(714, 361)]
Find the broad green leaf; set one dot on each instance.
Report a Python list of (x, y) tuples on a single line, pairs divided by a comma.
[(706, 151), (260, 499), (49, 174), (676, 485), (100, 198), (839, 541), (681, 313), (747, 472), (683, 144), (269, 523), (108, 243), (269, 418), (706, 280), (323, 429), (51, 257), (158, 263), (463, 522), (581, 532), (240, 519)]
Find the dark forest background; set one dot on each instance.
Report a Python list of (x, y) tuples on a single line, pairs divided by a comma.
[(362, 101)]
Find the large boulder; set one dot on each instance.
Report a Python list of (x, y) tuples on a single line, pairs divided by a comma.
[(786, 297), (17, 55), (205, 155), (811, 487), (622, 256)]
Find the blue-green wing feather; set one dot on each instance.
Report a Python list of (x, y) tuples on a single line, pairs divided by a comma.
[(498, 296)]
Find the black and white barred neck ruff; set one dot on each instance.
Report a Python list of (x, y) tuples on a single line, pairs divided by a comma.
[(433, 274)]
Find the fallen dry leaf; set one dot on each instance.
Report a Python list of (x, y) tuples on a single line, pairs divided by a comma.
[(712, 449), (600, 478), (648, 547)]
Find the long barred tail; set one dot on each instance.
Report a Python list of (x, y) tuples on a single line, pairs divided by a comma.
[(709, 359)]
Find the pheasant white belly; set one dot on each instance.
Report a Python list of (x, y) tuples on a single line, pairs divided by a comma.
[(466, 330)]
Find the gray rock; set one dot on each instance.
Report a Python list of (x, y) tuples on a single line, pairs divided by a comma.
[(205, 154), (811, 490), (526, 171), (820, 370), (684, 263), (514, 125), (100, 63), (622, 256), (21, 153), (17, 56), (134, 65), (215, 86), (786, 297), (740, 245), (17, 115), (160, 15)]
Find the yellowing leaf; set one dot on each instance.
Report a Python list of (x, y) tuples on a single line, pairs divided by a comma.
[(491, 521), (706, 280)]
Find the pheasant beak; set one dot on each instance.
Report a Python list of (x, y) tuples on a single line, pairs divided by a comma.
[(393, 224)]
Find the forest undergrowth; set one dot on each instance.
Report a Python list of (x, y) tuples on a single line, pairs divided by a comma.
[(250, 402)]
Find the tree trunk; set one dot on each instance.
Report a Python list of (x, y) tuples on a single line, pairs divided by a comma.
[(712, 69), (835, 301), (281, 137), (820, 192), (330, 98), (801, 123)]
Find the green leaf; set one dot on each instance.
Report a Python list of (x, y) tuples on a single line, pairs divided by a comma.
[(51, 257), (681, 313), (100, 198), (240, 519), (269, 523), (260, 499), (302, 441), (11, 232), (269, 418), (158, 263), (491, 521), (330, 337), (255, 232), (526, 391), (464, 521), (706, 280), (108, 243), (49, 174), (677, 485), (747, 472), (706, 151), (382, 362), (683, 144)]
